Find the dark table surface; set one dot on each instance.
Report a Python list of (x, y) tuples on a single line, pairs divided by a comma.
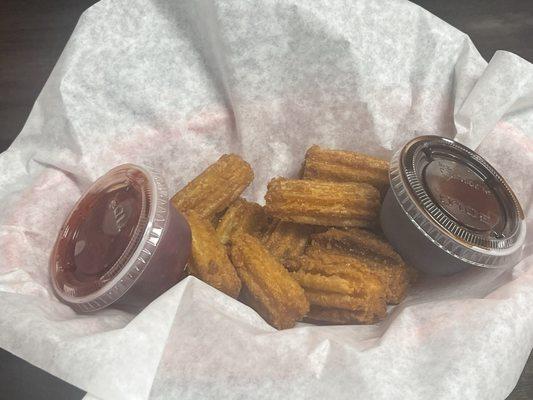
[(33, 34)]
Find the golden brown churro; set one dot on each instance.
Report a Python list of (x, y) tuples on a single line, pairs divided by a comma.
[(346, 166), (286, 240), (209, 259), (216, 188), (274, 294), (242, 216), (365, 249), (323, 203), (357, 291)]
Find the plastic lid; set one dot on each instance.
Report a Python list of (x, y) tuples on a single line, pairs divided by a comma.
[(109, 237), (459, 201)]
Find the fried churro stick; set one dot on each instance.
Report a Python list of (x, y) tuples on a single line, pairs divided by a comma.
[(359, 292), (346, 166), (365, 249), (328, 262), (336, 316), (319, 261), (216, 188), (395, 278), (358, 242), (274, 294), (286, 240), (323, 203), (242, 216), (209, 259)]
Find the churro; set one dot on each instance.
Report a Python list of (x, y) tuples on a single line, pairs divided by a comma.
[(323, 203), (362, 249), (274, 293), (346, 166), (216, 187), (209, 259), (242, 216), (286, 240), (357, 291)]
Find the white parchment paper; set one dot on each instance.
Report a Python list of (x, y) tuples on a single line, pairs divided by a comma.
[(175, 84)]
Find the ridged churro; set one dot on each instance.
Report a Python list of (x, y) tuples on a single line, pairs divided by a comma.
[(286, 240), (215, 188), (346, 166), (358, 242), (242, 216), (209, 259), (359, 248), (356, 291), (274, 293), (323, 203)]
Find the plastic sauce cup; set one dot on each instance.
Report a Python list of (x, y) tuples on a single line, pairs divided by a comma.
[(448, 209), (123, 243)]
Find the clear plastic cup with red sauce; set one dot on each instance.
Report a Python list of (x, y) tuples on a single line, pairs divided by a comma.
[(123, 243)]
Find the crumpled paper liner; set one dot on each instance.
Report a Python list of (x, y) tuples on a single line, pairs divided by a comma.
[(175, 85)]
